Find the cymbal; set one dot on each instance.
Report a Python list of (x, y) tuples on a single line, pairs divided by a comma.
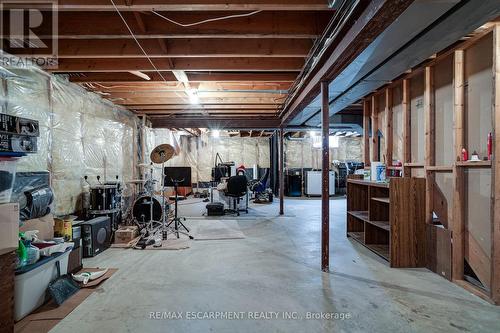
[(162, 153)]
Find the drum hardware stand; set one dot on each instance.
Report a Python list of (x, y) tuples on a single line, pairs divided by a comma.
[(154, 234), (178, 220)]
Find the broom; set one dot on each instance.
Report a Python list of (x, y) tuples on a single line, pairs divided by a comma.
[(63, 287)]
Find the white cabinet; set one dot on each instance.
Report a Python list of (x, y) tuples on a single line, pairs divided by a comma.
[(313, 183)]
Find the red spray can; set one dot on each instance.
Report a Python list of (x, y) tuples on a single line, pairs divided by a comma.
[(490, 146)]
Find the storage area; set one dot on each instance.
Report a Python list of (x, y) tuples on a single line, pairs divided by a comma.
[(389, 219)]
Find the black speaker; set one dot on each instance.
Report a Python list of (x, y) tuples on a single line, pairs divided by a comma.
[(96, 235)]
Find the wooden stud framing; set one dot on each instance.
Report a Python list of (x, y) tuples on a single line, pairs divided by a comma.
[(458, 173), (366, 131), (457, 215), (495, 271), (406, 127), (388, 129), (375, 138), (429, 118)]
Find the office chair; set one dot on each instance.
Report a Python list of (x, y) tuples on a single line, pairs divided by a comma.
[(236, 189)]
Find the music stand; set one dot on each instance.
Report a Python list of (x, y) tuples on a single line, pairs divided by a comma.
[(169, 180)]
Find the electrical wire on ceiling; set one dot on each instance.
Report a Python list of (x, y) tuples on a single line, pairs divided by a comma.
[(137, 41), (207, 20)]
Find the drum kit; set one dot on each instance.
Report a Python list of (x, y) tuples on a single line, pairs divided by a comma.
[(105, 200), (151, 212)]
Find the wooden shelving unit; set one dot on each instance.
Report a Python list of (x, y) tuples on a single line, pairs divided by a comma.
[(478, 164), (389, 219)]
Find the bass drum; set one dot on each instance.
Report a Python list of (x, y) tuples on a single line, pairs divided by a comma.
[(142, 209)]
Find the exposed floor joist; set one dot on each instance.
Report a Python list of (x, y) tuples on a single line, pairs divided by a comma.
[(194, 5)]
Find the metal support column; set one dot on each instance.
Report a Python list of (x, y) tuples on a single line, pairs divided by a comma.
[(325, 181), (281, 170)]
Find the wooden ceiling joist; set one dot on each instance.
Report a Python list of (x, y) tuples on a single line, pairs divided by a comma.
[(151, 86), (201, 94), (108, 25), (195, 5), (207, 106), (179, 48), (217, 63), (128, 78), (216, 123), (185, 64), (213, 100), (226, 112)]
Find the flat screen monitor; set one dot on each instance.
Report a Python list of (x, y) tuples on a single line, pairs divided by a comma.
[(182, 174)]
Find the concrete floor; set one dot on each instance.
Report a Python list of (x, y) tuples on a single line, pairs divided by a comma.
[(276, 269)]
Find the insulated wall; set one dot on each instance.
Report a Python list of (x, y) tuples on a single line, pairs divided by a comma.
[(80, 133), (300, 153), (199, 152)]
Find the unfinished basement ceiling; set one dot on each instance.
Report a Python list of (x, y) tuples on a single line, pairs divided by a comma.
[(199, 62)]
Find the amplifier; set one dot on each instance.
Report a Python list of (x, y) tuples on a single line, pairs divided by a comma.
[(96, 235), (215, 209), (13, 143), (16, 125)]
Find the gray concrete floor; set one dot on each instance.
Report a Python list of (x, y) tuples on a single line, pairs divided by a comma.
[(275, 268)]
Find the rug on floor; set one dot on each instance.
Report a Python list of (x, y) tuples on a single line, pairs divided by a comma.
[(208, 229)]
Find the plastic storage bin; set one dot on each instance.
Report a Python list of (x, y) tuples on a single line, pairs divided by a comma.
[(31, 283)]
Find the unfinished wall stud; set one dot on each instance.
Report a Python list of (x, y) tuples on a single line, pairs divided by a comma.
[(366, 131), (458, 173), (429, 120), (375, 138), (495, 272)]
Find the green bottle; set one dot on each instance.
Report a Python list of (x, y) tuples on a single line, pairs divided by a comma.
[(22, 253)]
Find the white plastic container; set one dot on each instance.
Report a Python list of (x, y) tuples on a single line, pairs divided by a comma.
[(30, 287)]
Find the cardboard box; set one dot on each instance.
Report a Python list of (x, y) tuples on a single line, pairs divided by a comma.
[(9, 227), (126, 234), (45, 226)]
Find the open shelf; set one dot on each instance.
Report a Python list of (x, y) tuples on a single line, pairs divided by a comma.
[(381, 224), (474, 164), (381, 199), (358, 236), (363, 216), (380, 249), (360, 214), (442, 168), (368, 182), (377, 219), (414, 165)]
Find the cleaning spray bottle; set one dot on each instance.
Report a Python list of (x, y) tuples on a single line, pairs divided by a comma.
[(22, 254)]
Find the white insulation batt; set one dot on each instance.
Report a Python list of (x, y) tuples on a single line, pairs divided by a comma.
[(199, 152), (80, 133), (300, 153)]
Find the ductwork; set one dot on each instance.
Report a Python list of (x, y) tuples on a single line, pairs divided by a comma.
[(424, 29)]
